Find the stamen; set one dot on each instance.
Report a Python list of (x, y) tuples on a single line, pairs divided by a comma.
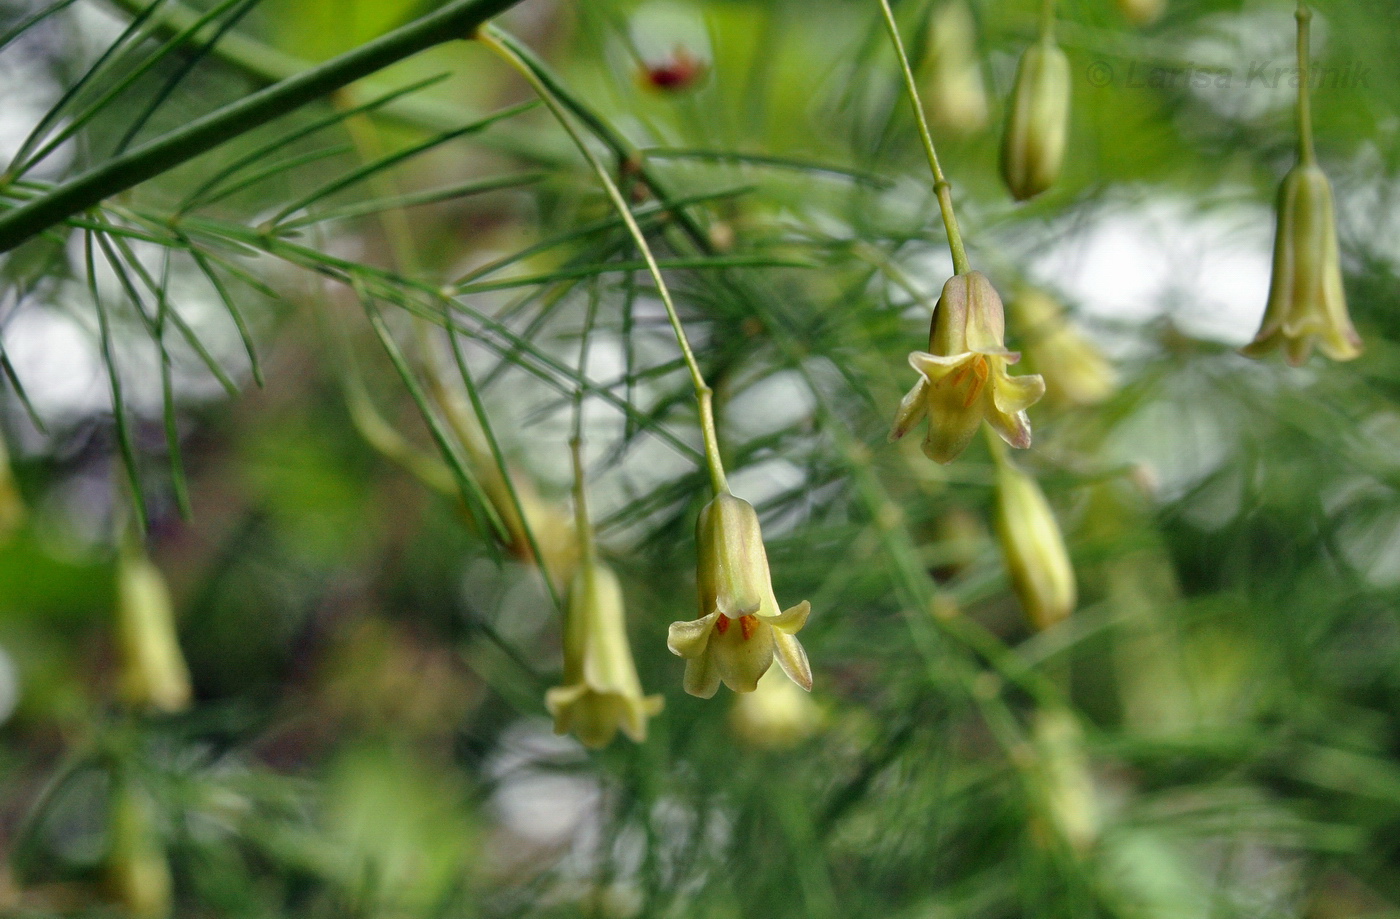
[(722, 624), (749, 625), (979, 379)]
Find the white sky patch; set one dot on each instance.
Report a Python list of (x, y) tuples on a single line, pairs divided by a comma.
[(1208, 270)]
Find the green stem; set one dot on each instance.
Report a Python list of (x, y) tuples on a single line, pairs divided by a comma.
[(941, 188), (1306, 154), (456, 19), (704, 396), (1047, 21)]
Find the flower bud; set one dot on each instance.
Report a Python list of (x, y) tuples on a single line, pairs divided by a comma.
[(963, 379), (601, 692), (1066, 782), (1142, 12), (953, 93), (1306, 299), (1037, 122), (153, 671), (741, 629), (1075, 371), (775, 716), (1034, 547), (137, 873)]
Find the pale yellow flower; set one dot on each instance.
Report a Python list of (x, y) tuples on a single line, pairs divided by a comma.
[(1307, 304), (601, 691), (963, 378), (741, 629), (153, 671)]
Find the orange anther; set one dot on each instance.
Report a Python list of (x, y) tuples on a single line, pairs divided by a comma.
[(979, 379), (749, 625), (722, 624)]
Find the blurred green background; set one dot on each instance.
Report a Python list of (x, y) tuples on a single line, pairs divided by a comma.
[(1212, 733)]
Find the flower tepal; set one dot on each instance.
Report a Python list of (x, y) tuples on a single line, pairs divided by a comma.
[(741, 629), (1306, 301), (601, 691), (962, 377)]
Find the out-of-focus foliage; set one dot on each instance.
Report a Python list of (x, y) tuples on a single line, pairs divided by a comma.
[(1212, 732)]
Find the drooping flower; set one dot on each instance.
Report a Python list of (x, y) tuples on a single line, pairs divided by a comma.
[(601, 691), (1307, 303), (1034, 547), (153, 671), (963, 378), (1076, 372), (741, 629), (1037, 121)]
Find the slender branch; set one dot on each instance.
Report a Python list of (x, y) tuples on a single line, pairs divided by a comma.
[(704, 396), (1047, 20), (1306, 154), (456, 19), (941, 188)]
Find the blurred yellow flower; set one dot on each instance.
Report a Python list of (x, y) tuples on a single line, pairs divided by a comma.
[(601, 692)]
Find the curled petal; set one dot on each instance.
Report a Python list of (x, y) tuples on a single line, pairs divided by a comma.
[(690, 639), (792, 620), (792, 657), (1016, 394), (701, 676), (935, 367), (1014, 429), (911, 410)]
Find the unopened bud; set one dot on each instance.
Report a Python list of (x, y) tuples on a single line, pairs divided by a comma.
[(137, 873), (1066, 782), (1037, 122), (153, 671), (601, 692), (1034, 547), (953, 93), (1075, 371), (1307, 303)]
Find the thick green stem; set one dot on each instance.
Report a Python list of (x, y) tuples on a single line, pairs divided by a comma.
[(704, 396), (1306, 154), (941, 188), (454, 20)]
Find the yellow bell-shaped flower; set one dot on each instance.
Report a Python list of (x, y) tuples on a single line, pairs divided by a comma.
[(601, 691), (741, 629), (963, 379), (1307, 304)]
